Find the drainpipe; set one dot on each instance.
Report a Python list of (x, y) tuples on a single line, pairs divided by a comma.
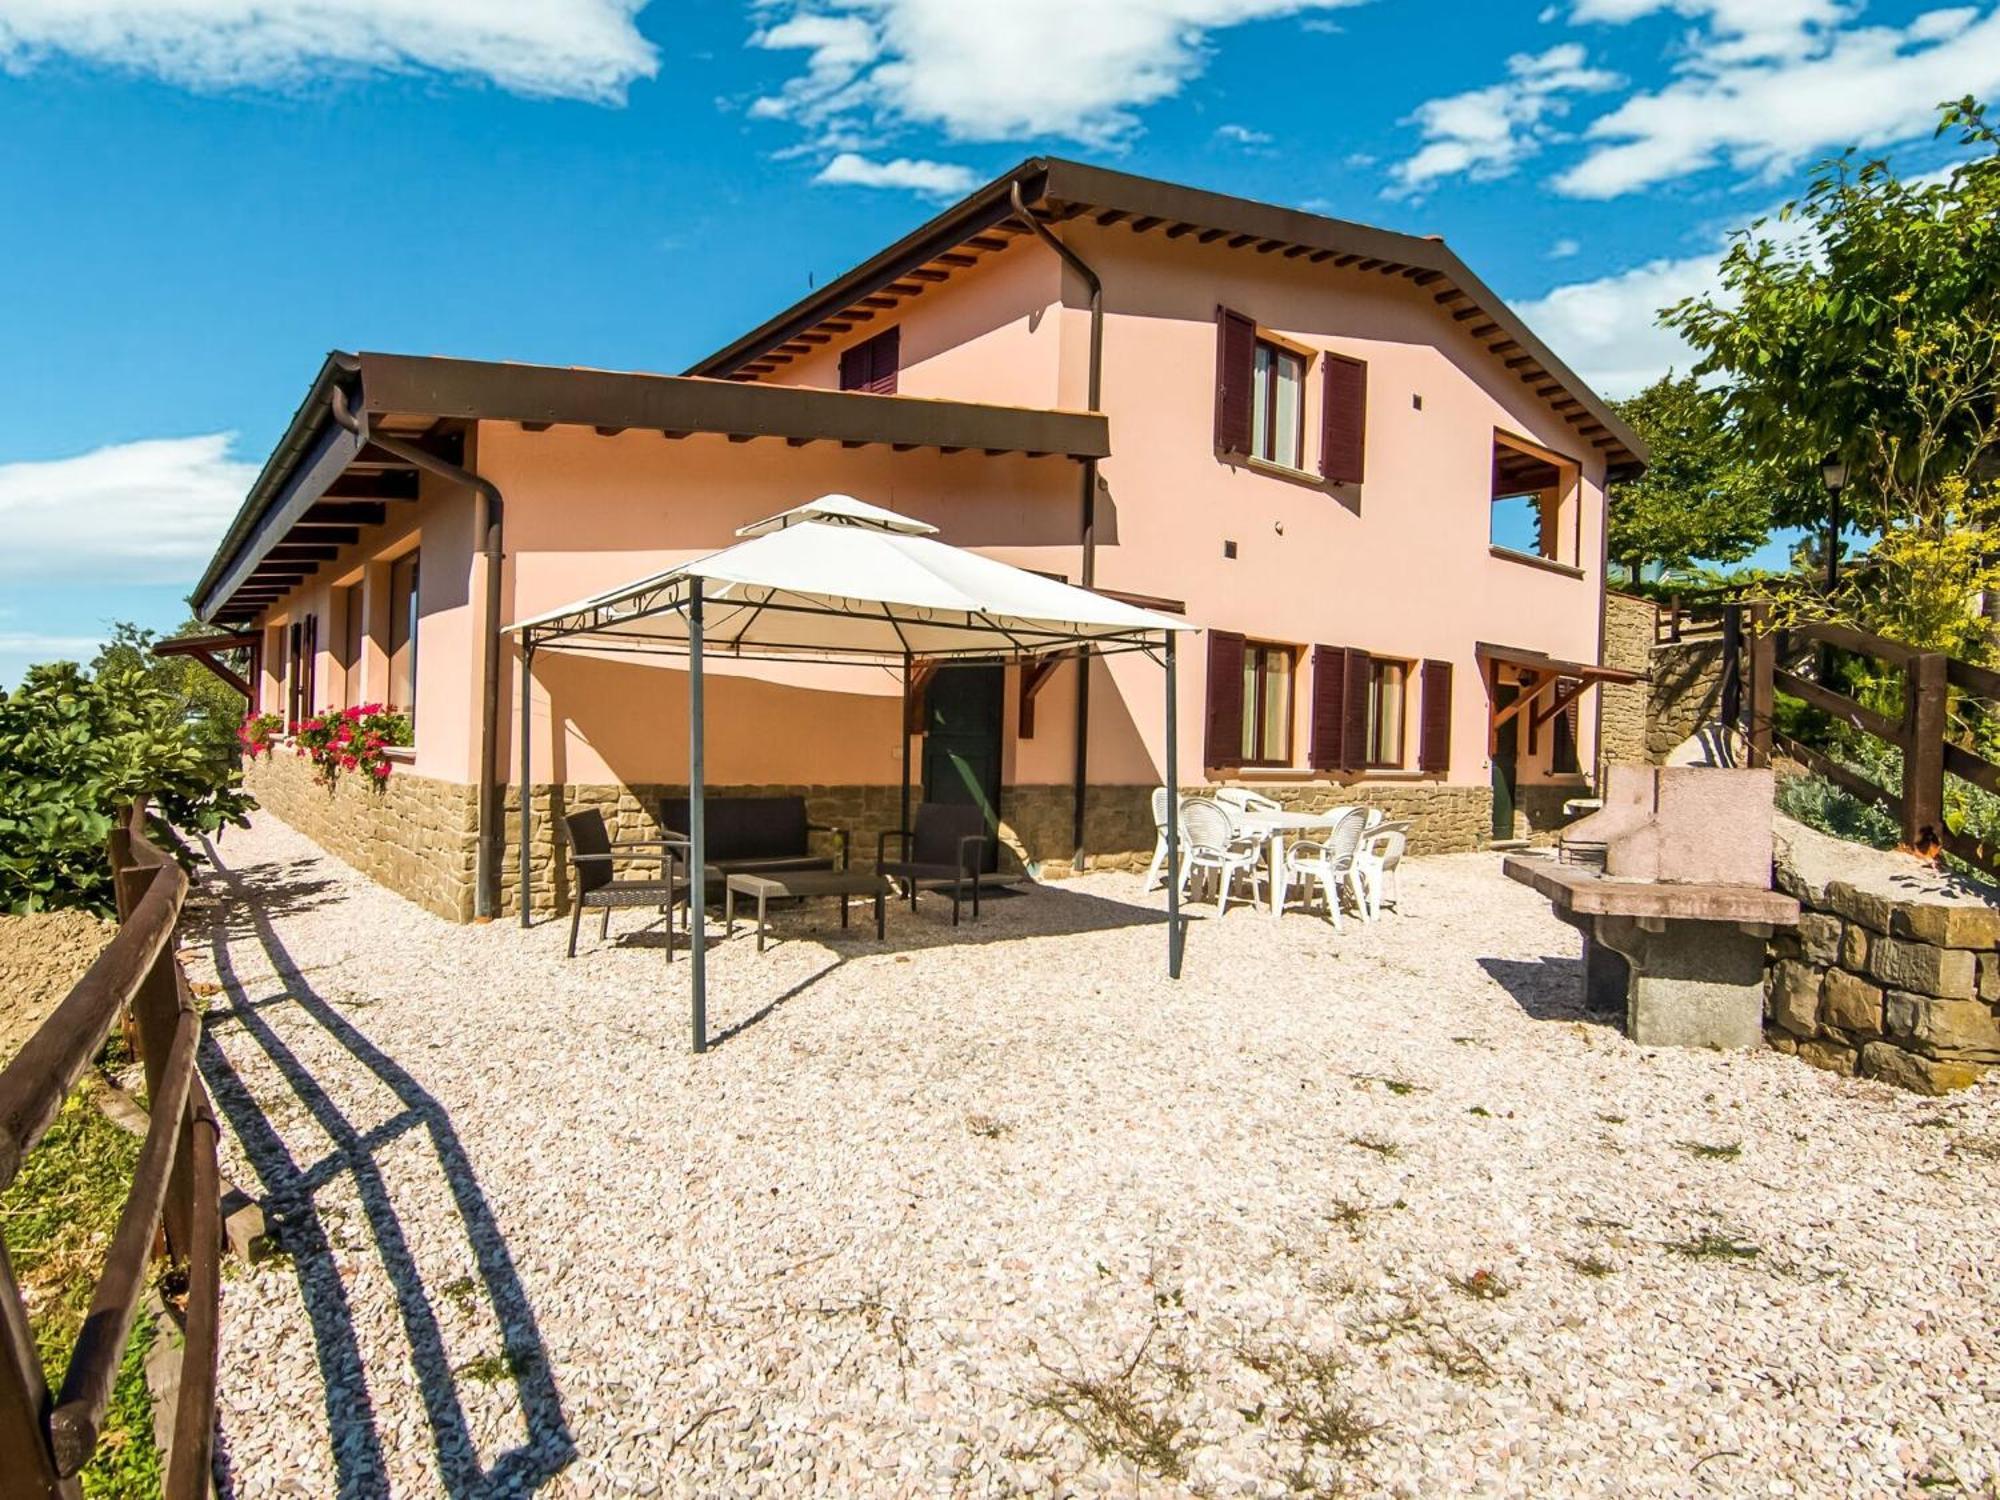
[(486, 880), (1077, 264)]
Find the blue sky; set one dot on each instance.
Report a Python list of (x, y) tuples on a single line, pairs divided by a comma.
[(199, 198)]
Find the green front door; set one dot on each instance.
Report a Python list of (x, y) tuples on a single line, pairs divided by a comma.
[(1504, 751), (962, 726)]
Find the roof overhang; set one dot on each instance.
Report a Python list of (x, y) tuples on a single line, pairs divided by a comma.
[(1056, 190), (1541, 663), (322, 482)]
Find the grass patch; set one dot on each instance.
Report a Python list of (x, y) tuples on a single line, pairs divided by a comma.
[(1382, 1148), (1703, 1152), (1400, 1087), (491, 1369), (57, 1218), (1709, 1245), (1611, 1119), (462, 1293), (1593, 1266), (987, 1128), (1133, 1413), (1309, 1407)]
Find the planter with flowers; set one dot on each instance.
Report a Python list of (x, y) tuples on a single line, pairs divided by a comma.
[(257, 733), (355, 739)]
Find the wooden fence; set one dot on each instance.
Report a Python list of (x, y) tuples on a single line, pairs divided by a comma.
[(1765, 662), (46, 1439)]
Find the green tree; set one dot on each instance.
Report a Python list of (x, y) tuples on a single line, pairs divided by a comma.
[(213, 708), (75, 750), (1702, 497), (1870, 332)]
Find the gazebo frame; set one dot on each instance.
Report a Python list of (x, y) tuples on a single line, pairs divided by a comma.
[(685, 593)]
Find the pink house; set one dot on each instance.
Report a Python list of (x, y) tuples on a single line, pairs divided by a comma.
[(1330, 446)]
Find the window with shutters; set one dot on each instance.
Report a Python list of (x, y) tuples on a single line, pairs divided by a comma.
[(404, 592), (1277, 405), (871, 365), (1388, 703), (1268, 671)]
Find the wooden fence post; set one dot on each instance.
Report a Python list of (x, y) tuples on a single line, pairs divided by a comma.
[(1923, 752), (1763, 653)]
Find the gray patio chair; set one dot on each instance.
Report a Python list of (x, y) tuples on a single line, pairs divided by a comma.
[(596, 884), (944, 850)]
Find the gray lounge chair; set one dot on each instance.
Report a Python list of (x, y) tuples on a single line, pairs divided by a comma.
[(595, 881), (944, 851)]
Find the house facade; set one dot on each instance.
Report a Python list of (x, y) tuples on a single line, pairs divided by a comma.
[(1330, 447)]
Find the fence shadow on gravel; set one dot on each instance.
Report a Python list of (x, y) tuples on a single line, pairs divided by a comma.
[(290, 1190), (1549, 988)]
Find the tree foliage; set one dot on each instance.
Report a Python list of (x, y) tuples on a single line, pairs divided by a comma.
[(76, 748), (1703, 498), (1869, 330)]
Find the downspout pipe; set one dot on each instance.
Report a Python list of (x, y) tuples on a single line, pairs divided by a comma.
[(486, 880), (1091, 280)]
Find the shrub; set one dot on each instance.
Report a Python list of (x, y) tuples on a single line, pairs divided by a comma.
[(75, 751)]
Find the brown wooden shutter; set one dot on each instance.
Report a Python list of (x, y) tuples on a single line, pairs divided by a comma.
[(1225, 699), (1354, 712), (888, 347), (1235, 375), (1343, 425), (1329, 707), (856, 365), (1434, 743)]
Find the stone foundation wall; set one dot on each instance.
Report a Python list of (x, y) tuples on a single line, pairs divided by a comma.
[(1629, 627), (1444, 819), (1894, 970), (1684, 694), (416, 836)]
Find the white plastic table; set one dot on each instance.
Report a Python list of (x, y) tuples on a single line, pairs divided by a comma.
[(1274, 828)]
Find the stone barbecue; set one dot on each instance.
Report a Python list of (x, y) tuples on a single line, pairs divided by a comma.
[(1670, 885)]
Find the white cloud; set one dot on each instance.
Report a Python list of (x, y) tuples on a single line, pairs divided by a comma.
[(1607, 330), (1564, 249), (586, 49), (937, 179), (1242, 135), (1772, 83), (1486, 133), (144, 512), (988, 70), (38, 647)]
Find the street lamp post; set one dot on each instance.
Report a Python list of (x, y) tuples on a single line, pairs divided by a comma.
[(1834, 472)]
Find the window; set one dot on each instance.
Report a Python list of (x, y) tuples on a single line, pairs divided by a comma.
[(1535, 509), (871, 365), (403, 595), (1277, 405), (302, 696), (1267, 704), (1387, 684)]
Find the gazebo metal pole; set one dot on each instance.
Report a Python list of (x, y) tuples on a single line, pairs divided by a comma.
[(1174, 944), (527, 746), (904, 816), (697, 831)]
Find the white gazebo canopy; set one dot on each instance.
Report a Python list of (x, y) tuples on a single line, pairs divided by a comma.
[(839, 579)]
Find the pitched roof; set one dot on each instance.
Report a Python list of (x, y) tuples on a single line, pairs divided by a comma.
[(1056, 190)]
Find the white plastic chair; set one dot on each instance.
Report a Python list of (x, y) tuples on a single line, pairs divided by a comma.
[(1376, 861), (1245, 800), (1215, 845), (1156, 870), (1329, 861)]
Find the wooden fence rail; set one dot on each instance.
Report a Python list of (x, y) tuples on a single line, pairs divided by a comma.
[(1920, 733), (46, 1439)]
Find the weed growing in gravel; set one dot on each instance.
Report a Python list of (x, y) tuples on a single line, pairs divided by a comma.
[(1482, 1285), (1709, 1245), (1611, 1119), (1712, 1153), (1309, 1407), (1470, 1041), (491, 1369), (461, 1292), (1350, 1216), (1480, 1110), (1592, 1266), (986, 1127), (1990, 1149), (1133, 1413), (1376, 1144), (1400, 1087)]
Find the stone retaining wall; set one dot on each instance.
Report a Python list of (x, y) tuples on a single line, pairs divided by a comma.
[(1684, 694), (1629, 627), (1894, 970)]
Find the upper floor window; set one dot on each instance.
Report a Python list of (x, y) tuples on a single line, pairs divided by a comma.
[(1261, 398), (1535, 505), (1277, 406), (871, 365)]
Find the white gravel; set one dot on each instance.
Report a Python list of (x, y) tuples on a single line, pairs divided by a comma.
[(1003, 1210)]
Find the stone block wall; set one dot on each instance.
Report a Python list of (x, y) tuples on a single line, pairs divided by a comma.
[(1444, 819), (1629, 626), (416, 836), (1894, 970), (1684, 694)]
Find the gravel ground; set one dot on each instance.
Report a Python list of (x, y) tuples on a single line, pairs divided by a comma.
[(1004, 1211)]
